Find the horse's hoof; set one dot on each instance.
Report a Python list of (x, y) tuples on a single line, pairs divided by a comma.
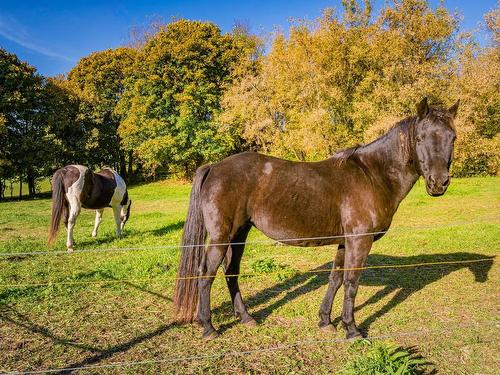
[(70, 249), (250, 322), (354, 335), (94, 235), (328, 328), (211, 335)]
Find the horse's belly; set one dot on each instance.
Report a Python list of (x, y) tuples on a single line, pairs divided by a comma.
[(300, 231)]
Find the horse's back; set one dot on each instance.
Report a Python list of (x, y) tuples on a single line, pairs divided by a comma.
[(71, 175), (283, 199)]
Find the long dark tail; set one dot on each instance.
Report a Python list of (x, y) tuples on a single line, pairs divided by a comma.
[(186, 286), (58, 205)]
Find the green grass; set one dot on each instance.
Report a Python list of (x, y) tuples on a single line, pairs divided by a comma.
[(84, 323)]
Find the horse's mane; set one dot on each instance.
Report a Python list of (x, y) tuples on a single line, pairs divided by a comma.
[(405, 128), (342, 156)]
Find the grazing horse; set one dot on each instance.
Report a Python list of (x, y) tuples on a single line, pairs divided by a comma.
[(347, 200), (76, 186)]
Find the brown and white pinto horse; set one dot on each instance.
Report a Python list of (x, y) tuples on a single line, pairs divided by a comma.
[(76, 186)]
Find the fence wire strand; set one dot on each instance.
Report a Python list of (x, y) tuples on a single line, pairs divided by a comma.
[(253, 242), (271, 349), (247, 274)]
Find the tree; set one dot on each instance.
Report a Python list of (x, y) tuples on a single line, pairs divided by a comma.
[(325, 84), (23, 133), (171, 99), (98, 80), (477, 84), (67, 131)]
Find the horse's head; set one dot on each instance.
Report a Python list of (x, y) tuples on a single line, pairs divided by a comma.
[(125, 213), (434, 136)]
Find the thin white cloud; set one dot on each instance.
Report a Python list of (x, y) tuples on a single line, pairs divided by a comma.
[(13, 31)]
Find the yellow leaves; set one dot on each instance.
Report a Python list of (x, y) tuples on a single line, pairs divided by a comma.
[(3, 123)]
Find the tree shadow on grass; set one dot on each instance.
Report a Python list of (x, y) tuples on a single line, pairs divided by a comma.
[(403, 281), (11, 315), (90, 242), (120, 348)]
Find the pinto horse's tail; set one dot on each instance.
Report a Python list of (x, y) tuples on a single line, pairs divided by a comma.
[(58, 205), (193, 240)]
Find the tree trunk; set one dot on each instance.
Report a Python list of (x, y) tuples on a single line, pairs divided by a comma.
[(130, 163), (123, 165), (20, 187), (2, 188), (31, 185)]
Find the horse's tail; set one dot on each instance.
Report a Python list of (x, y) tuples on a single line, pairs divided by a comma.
[(58, 205), (193, 239)]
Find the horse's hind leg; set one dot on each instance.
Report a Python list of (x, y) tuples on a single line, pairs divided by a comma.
[(74, 211), (334, 283), (212, 260), (98, 219), (232, 269), (65, 214)]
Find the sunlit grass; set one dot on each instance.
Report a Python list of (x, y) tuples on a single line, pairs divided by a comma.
[(79, 323)]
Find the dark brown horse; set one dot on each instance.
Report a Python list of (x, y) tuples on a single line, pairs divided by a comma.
[(76, 186), (356, 191)]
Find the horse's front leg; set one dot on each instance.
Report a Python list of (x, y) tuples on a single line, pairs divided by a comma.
[(117, 211), (335, 281), (98, 219), (356, 253)]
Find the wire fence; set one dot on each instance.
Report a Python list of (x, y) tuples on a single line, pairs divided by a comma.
[(275, 348), (252, 242), (247, 274)]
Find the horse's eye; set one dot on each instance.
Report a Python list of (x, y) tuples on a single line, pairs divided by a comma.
[(418, 138)]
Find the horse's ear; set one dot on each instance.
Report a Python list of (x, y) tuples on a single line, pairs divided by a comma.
[(422, 108), (454, 109)]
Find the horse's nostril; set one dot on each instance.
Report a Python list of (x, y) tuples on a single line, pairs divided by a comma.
[(432, 180), (446, 182)]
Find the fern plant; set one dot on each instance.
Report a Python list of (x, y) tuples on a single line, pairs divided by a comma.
[(384, 358)]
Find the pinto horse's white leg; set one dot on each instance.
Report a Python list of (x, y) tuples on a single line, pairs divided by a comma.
[(98, 219), (117, 210), (74, 211)]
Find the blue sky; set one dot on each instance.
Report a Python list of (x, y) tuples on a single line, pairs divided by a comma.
[(54, 35)]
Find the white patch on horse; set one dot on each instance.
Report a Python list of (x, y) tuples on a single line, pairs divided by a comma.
[(120, 190), (119, 211), (268, 168), (76, 189), (73, 195)]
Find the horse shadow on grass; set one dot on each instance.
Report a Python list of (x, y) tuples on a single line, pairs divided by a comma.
[(403, 281)]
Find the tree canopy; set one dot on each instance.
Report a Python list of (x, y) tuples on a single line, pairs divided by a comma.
[(189, 94)]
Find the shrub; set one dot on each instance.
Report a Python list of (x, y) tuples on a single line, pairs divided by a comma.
[(475, 155), (384, 358)]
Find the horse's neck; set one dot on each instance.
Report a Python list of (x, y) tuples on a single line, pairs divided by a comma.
[(389, 161)]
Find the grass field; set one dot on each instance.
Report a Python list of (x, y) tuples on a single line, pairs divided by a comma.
[(80, 319)]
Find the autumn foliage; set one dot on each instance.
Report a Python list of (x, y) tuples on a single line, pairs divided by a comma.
[(187, 93)]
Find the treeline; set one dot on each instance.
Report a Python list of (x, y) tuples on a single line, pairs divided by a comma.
[(187, 94)]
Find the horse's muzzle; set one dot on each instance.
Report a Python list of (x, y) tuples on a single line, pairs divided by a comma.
[(437, 186)]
